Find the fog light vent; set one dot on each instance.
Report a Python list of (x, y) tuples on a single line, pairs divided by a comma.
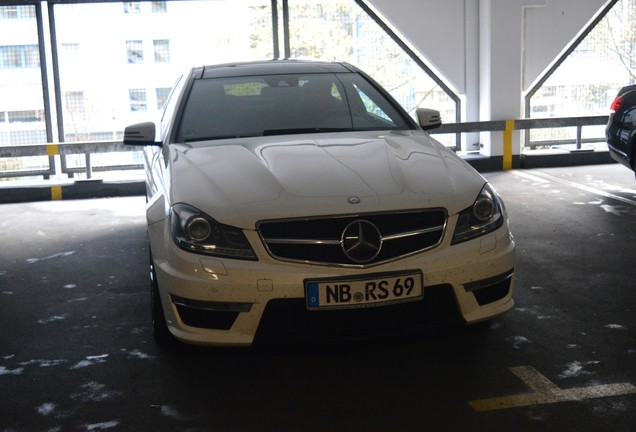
[(210, 315), (490, 290)]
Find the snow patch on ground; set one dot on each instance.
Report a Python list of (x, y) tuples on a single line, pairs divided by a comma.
[(50, 257), (101, 426), (46, 409), (93, 392), (5, 371), (89, 361), (517, 341), (52, 319), (576, 368), (615, 327)]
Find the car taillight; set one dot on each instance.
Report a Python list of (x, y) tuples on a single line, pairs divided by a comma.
[(618, 101)]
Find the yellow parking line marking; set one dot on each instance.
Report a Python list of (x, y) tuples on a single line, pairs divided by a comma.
[(533, 379), (546, 392)]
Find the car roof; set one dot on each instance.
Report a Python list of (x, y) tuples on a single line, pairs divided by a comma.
[(274, 67)]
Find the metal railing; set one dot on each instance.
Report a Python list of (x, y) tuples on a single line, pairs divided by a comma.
[(90, 149), (530, 124), (62, 150)]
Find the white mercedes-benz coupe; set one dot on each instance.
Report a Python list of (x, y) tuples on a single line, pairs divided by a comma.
[(294, 199)]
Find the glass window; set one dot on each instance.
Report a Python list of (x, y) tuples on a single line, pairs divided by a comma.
[(247, 25), (9, 12), (132, 7), (31, 56), (24, 116), (343, 31), (159, 7), (19, 57), (30, 136), (12, 57), (162, 96), (74, 102), (135, 51), (162, 50), (587, 80), (22, 111), (282, 104), (17, 12), (70, 52), (137, 100), (370, 105), (338, 29)]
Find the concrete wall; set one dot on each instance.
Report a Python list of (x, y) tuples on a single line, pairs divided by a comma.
[(489, 51)]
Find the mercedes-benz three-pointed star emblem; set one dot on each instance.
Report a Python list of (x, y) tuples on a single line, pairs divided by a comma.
[(361, 241)]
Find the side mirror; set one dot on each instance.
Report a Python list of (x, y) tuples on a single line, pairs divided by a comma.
[(141, 134), (428, 118)]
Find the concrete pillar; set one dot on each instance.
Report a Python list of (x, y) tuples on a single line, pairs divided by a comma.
[(500, 68)]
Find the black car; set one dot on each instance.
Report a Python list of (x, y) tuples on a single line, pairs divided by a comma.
[(621, 131)]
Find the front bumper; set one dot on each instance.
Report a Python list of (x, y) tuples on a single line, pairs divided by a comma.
[(215, 301)]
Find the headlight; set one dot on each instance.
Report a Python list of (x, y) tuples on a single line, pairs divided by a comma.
[(194, 231), (484, 216)]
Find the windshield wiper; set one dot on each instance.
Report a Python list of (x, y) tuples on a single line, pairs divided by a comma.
[(302, 130), (219, 137)]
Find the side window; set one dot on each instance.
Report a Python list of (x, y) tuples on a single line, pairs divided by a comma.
[(169, 104), (370, 105)]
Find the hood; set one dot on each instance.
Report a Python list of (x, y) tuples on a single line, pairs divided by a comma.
[(242, 181)]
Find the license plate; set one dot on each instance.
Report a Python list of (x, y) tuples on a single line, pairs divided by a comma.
[(364, 291)]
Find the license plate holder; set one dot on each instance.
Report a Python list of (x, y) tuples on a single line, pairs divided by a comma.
[(365, 291)]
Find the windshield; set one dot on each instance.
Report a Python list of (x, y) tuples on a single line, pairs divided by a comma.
[(284, 104)]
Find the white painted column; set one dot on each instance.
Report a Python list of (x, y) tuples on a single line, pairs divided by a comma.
[(470, 103), (500, 67)]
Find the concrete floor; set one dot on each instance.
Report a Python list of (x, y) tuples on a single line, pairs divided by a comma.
[(76, 350)]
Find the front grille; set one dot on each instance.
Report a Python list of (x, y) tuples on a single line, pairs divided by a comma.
[(289, 319), (320, 240)]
